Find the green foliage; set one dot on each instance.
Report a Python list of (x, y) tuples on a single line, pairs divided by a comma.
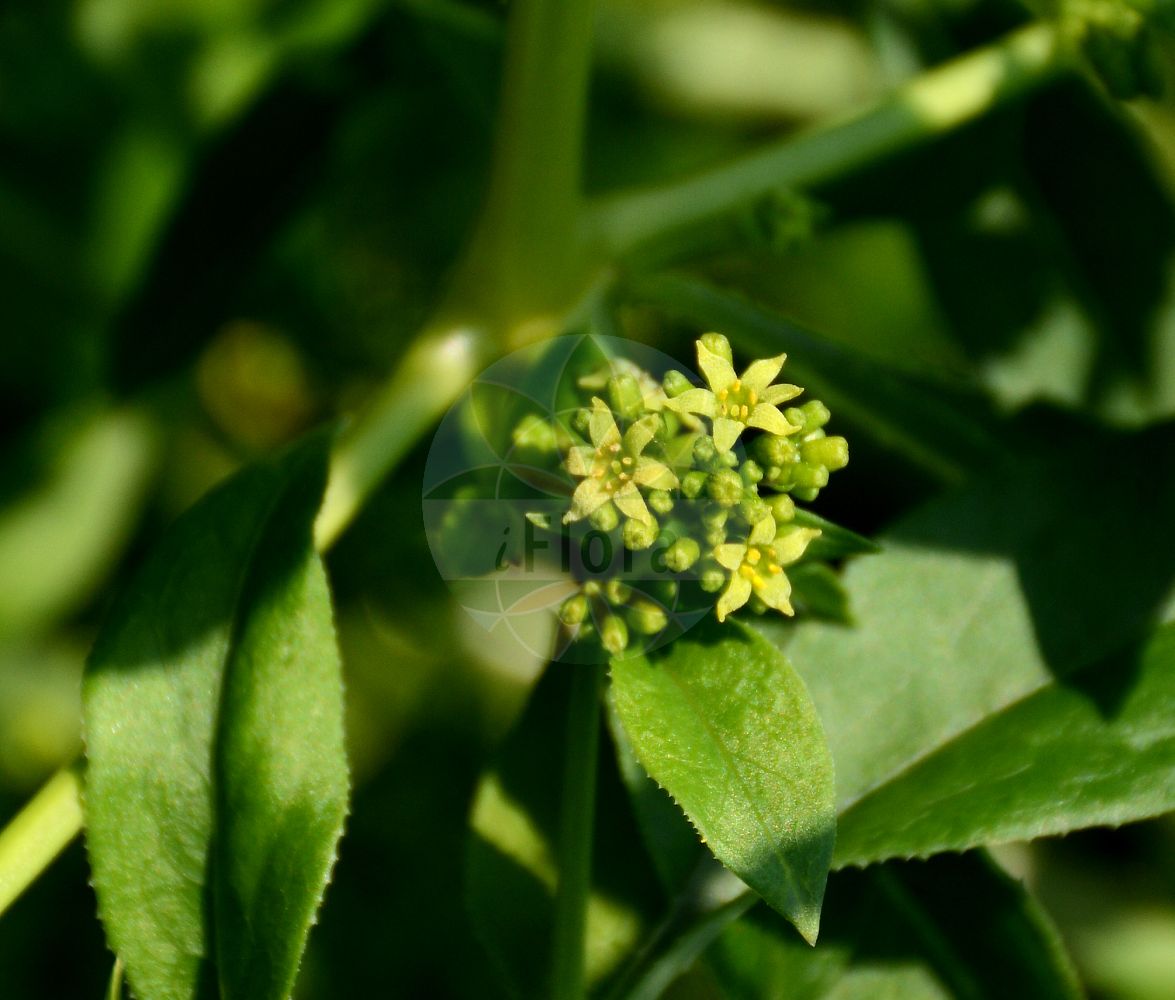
[(216, 782), (725, 725)]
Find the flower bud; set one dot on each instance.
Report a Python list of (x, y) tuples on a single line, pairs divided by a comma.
[(715, 343), (682, 554), (592, 588), (692, 484), (725, 487), (830, 452), (660, 501), (624, 393), (704, 450), (810, 476), (712, 578), (773, 450), (639, 535), (614, 634), (581, 421), (535, 433), (617, 591), (754, 510), (675, 383), (605, 518), (751, 472), (574, 610), (646, 617), (783, 508)]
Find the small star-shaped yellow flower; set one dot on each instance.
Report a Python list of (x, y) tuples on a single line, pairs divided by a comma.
[(734, 403), (757, 567), (613, 468)]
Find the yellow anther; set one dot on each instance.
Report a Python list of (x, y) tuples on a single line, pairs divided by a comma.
[(772, 568), (747, 571), (752, 397), (736, 385), (754, 556), (614, 447), (627, 460), (723, 393), (743, 411)]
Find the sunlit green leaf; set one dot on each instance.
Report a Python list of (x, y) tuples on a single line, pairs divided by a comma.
[(216, 783), (720, 719)]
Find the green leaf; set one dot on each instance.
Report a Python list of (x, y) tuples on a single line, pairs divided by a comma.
[(216, 784), (954, 927), (720, 719), (993, 688), (834, 542)]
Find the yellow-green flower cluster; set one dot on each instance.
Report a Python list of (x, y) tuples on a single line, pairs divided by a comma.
[(663, 467)]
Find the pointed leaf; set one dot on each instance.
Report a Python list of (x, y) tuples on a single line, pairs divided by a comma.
[(216, 783), (722, 721)]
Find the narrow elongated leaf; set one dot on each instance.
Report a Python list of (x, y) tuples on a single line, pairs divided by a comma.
[(720, 719), (954, 927), (994, 687), (216, 783)]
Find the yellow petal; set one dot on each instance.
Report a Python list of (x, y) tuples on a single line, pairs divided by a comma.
[(726, 432), (630, 503), (717, 370), (639, 435), (734, 597), (730, 556), (760, 374), (694, 401), (762, 531), (768, 418), (790, 545), (580, 460), (653, 474), (588, 497), (773, 395), (775, 592), (602, 425)]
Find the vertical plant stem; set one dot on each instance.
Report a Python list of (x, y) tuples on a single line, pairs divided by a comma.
[(576, 828), (40, 832)]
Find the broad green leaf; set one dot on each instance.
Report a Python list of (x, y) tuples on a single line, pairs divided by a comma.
[(720, 719), (511, 857), (57, 539), (216, 783), (1052, 762), (985, 694), (953, 927)]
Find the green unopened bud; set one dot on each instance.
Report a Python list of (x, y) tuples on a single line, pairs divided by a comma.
[(751, 472), (725, 487), (715, 517), (783, 508), (581, 421), (625, 396), (757, 605), (660, 501), (592, 588), (717, 344), (810, 476), (806, 493), (754, 510), (574, 610), (675, 383), (831, 452), (614, 635), (639, 535), (810, 417), (715, 536), (712, 578), (692, 484), (535, 433), (664, 591), (682, 554), (646, 617), (617, 591), (704, 450), (728, 458), (605, 518), (773, 450)]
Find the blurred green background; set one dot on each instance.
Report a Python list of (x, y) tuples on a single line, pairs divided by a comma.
[(221, 221)]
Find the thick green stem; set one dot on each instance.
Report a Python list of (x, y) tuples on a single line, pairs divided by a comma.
[(38, 834), (576, 827), (931, 105)]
